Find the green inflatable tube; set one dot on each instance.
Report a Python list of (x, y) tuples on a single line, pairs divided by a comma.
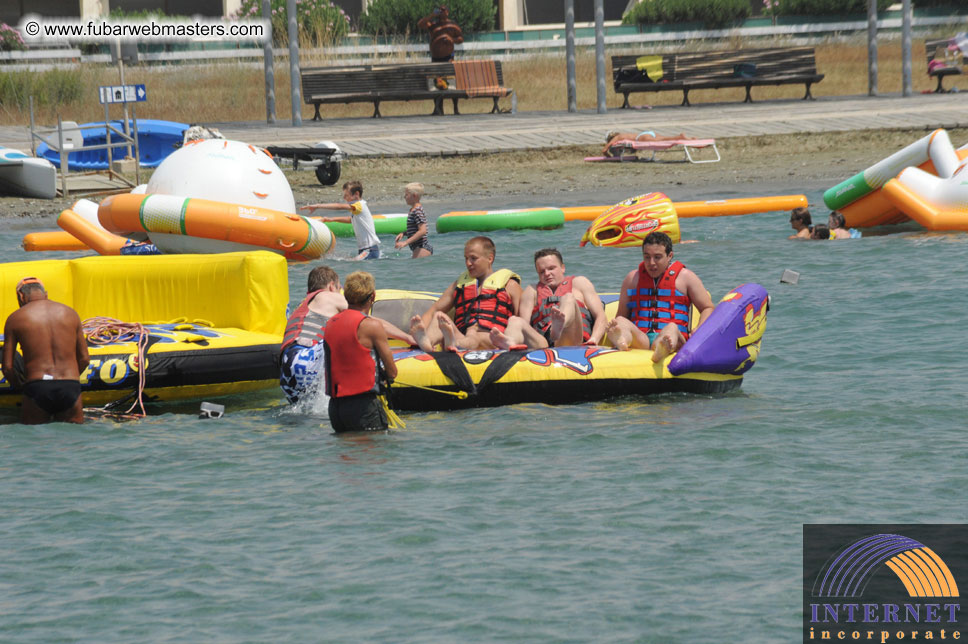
[(847, 192), (384, 224), (487, 220)]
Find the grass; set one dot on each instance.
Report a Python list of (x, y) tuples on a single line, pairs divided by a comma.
[(235, 92)]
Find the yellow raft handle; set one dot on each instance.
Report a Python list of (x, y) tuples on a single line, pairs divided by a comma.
[(460, 394), (393, 421)]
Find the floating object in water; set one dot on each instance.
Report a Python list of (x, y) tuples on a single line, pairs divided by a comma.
[(861, 199), (629, 222), (714, 363), (225, 318), (183, 225), (211, 410), (156, 141), (81, 221), (709, 208), (22, 175), (52, 240), (789, 277), (937, 203), (487, 220)]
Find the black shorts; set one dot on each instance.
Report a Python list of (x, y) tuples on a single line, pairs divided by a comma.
[(53, 396), (359, 413)]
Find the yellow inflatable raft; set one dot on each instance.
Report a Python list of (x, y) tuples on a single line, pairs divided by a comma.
[(214, 323)]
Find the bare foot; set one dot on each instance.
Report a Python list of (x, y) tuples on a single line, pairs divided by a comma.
[(557, 323), (614, 333), (499, 340), (419, 333), (448, 330), (663, 347)]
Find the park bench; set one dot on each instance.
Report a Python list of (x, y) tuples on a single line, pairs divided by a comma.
[(405, 82), (950, 61), (714, 69)]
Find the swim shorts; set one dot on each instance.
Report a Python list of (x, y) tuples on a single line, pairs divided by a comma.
[(53, 396), (372, 252), (300, 368), (359, 413)]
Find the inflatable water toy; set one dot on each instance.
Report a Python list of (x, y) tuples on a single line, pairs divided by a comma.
[(876, 209), (709, 208), (385, 225), (627, 223), (713, 360), (81, 222), (184, 225), (626, 150), (156, 141), (52, 240), (213, 323), (487, 220), (936, 202), (25, 176)]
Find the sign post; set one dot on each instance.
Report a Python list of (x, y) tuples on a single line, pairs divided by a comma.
[(124, 94)]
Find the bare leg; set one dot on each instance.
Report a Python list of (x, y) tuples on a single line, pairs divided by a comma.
[(618, 337), (624, 335), (426, 338), (571, 331), (32, 414), (452, 338), (499, 340), (420, 252), (668, 341), (73, 415)]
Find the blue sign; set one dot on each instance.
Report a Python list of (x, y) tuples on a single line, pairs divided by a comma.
[(122, 94)]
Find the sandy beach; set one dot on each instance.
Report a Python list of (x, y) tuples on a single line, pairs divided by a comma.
[(773, 164)]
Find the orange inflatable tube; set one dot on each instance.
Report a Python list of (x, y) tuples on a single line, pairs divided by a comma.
[(294, 236), (52, 240), (93, 237), (926, 214), (712, 208)]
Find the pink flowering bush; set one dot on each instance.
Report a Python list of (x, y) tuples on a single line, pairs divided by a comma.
[(10, 39), (320, 22)]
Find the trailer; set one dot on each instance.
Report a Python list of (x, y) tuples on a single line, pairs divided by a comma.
[(325, 157)]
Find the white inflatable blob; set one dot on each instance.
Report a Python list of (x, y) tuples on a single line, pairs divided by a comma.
[(226, 171)]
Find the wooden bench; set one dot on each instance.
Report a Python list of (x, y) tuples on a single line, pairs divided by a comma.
[(714, 69), (407, 82), (950, 66)]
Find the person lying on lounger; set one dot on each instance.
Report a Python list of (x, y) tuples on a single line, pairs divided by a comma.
[(614, 136)]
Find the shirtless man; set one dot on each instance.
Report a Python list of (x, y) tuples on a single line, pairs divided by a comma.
[(563, 311), (55, 354), (482, 299), (656, 298), (302, 344)]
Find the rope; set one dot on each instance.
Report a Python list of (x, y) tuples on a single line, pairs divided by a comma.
[(460, 394), (393, 421), (102, 331)]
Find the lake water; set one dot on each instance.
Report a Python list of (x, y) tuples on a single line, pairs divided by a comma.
[(671, 519)]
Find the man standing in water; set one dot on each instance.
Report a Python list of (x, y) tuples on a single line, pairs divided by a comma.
[(55, 354), (655, 302)]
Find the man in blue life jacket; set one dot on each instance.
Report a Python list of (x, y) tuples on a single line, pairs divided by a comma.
[(655, 302)]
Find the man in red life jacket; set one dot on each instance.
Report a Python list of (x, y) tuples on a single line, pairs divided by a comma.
[(357, 360), (656, 298), (302, 344), (482, 299), (444, 34), (55, 355), (561, 310)]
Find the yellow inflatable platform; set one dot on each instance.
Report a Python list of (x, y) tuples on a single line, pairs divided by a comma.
[(214, 322)]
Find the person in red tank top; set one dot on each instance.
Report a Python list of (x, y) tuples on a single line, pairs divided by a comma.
[(559, 310), (658, 327), (357, 358)]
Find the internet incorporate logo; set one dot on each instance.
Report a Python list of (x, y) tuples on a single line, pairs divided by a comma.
[(906, 586)]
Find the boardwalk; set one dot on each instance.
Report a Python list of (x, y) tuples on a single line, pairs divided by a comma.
[(402, 136)]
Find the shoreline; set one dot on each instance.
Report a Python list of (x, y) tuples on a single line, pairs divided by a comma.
[(773, 164)]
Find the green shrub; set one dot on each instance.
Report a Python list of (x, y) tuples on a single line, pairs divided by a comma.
[(394, 17), (829, 7), (320, 22), (10, 38), (52, 88), (712, 13)]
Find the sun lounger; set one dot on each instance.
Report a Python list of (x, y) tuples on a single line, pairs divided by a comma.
[(626, 150)]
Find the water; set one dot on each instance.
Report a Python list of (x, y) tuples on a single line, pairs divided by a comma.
[(673, 519)]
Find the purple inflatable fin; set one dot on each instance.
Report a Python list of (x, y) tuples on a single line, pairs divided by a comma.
[(729, 340)]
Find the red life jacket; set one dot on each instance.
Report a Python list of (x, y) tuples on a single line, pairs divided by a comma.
[(490, 307), (305, 326), (655, 303), (541, 315), (351, 368)]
